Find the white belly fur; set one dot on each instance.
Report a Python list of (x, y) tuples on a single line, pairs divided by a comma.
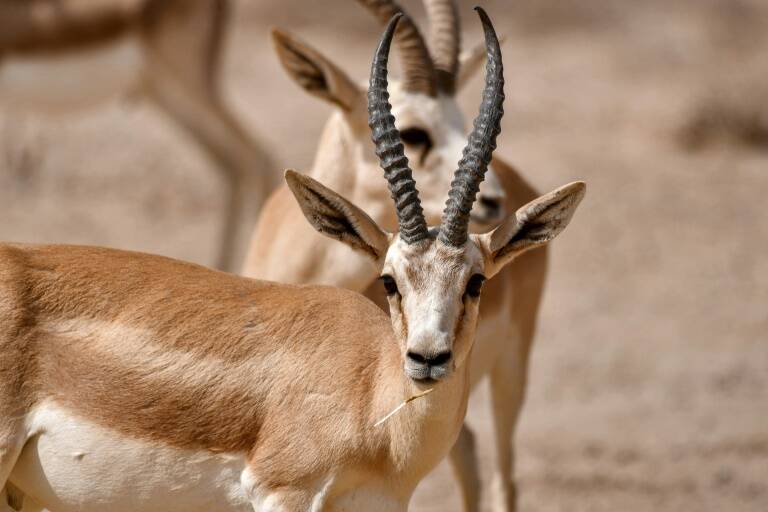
[(71, 465), (70, 80)]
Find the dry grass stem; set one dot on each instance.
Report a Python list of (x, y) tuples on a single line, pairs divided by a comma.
[(405, 402)]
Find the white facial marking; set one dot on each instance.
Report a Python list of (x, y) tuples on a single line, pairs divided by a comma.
[(431, 306)]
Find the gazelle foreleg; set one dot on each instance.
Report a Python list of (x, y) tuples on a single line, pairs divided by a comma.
[(507, 393), (182, 78), (464, 464), (10, 448), (244, 167)]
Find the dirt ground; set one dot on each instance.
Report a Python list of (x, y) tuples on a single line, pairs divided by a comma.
[(649, 379)]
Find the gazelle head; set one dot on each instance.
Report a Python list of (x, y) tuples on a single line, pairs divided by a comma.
[(431, 124), (434, 277)]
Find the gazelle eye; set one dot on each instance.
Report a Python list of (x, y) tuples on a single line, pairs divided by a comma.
[(475, 285), (389, 284), (417, 138)]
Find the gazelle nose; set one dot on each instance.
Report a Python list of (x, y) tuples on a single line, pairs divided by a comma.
[(435, 360)]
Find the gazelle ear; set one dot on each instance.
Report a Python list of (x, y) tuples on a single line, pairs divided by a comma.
[(533, 225), (337, 218), (315, 73), (470, 62)]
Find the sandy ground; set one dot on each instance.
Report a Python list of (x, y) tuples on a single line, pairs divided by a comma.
[(649, 376)]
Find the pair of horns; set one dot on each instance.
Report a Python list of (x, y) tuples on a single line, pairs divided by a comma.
[(425, 71), (474, 162)]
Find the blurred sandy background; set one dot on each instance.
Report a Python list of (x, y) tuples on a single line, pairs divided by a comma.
[(649, 382)]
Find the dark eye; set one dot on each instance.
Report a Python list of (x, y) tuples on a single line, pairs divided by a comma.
[(417, 138), (475, 285), (389, 284)]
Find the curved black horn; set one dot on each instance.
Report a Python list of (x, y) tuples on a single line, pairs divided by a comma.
[(417, 66), (479, 149), (389, 148)]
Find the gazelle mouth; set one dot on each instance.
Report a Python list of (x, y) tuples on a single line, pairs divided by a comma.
[(427, 374)]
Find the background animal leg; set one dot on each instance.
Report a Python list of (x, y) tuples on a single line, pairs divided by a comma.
[(464, 464), (508, 380), (183, 45)]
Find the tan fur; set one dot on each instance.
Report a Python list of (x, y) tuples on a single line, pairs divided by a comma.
[(175, 353), (100, 348), (181, 45), (284, 247)]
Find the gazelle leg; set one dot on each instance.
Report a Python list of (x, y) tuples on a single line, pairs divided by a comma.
[(10, 448), (182, 78), (16, 500), (464, 463), (507, 391)]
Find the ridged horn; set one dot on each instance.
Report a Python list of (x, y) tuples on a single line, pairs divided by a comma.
[(418, 70), (444, 41), (477, 154), (389, 147)]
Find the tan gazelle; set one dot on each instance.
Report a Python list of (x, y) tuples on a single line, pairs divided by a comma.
[(283, 248), (73, 53), (131, 382)]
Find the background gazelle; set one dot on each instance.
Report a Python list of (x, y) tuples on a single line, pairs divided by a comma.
[(284, 249), (67, 53), (133, 382)]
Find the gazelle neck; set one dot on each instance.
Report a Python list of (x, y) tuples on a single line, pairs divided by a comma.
[(421, 433), (335, 154), (348, 165)]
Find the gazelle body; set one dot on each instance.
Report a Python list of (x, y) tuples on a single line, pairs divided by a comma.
[(69, 54), (284, 248), (135, 382), (132, 382)]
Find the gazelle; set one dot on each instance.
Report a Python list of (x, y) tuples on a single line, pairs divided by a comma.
[(283, 248), (64, 53), (131, 382)]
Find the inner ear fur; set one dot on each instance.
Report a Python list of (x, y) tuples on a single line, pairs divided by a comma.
[(534, 224), (337, 218), (315, 73)]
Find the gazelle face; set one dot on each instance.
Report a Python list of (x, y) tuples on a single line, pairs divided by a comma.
[(434, 295), (434, 288), (434, 133), (432, 128)]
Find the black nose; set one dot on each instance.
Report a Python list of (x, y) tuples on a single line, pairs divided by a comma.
[(436, 360)]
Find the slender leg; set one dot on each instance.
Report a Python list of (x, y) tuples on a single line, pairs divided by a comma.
[(507, 390), (10, 448), (16, 499), (5, 504), (30, 505), (464, 463), (183, 44)]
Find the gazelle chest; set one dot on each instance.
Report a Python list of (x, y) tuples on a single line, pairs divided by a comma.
[(71, 464), (70, 80)]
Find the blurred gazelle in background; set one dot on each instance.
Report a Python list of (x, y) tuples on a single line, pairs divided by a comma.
[(70, 54)]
